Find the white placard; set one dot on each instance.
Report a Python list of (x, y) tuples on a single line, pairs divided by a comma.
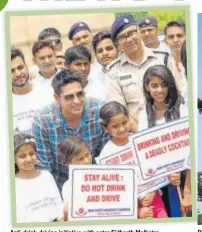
[(127, 156), (102, 192), (162, 150)]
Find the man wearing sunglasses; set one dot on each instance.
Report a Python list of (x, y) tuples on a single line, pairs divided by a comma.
[(53, 36), (125, 75), (73, 114)]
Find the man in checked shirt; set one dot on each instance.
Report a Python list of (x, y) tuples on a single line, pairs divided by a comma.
[(72, 114)]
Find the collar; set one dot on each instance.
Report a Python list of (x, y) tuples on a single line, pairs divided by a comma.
[(147, 53)]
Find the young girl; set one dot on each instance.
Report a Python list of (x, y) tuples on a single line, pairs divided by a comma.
[(115, 120), (163, 104), (73, 150), (37, 196)]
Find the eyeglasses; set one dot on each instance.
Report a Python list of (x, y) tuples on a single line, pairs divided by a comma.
[(55, 41), (123, 38), (70, 97)]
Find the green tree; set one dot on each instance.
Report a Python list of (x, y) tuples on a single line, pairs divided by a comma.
[(164, 17)]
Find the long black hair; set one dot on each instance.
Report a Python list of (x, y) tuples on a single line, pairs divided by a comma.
[(173, 98)]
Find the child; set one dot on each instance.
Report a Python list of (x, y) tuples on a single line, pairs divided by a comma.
[(73, 150), (37, 196), (163, 104), (115, 120)]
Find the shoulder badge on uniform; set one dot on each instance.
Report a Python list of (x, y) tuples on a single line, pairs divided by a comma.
[(113, 63), (165, 54)]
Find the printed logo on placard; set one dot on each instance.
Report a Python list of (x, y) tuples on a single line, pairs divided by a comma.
[(150, 172), (81, 212)]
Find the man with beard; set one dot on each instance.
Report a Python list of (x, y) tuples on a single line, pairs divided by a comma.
[(125, 75), (26, 97)]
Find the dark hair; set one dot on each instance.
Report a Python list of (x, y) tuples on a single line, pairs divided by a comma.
[(38, 45), (173, 99), (77, 52), (99, 37), (63, 78), (47, 32), (111, 109), (177, 23), (184, 56), (15, 52), (20, 140), (70, 147)]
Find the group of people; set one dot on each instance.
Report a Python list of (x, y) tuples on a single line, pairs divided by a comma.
[(83, 105)]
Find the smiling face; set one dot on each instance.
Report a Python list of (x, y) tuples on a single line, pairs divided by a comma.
[(83, 157), (149, 36), (45, 59), (118, 126), (106, 51), (25, 157), (83, 37), (129, 40), (71, 99), (19, 72), (157, 89)]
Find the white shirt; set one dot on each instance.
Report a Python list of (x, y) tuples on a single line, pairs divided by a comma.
[(26, 105), (143, 121), (111, 148), (38, 199), (96, 87), (65, 190)]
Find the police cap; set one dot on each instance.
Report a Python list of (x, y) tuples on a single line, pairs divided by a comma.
[(120, 24), (76, 27), (147, 21)]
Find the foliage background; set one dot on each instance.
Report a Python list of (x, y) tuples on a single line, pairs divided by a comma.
[(163, 17)]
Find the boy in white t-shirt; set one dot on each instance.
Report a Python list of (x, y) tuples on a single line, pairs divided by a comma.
[(73, 150)]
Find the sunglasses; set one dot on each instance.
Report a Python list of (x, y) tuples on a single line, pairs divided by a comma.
[(70, 97), (55, 41)]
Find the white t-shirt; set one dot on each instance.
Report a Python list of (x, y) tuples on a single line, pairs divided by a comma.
[(111, 148), (65, 190), (143, 121), (38, 199), (96, 87), (25, 106), (45, 84)]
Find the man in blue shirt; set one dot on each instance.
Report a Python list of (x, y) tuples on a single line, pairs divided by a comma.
[(72, 114)]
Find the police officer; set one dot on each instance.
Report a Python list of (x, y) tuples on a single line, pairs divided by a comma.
[(149, 32), (80, 34), (125, 75)]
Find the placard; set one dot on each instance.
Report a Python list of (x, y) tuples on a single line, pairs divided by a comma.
[(162, 150), (102, 192)]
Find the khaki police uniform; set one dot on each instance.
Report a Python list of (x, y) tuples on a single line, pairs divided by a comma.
[(124, 79)]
